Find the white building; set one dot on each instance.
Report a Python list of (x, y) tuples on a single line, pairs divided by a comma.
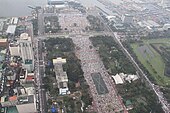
[(26, 51), (121, 78), (23, 48), (14, 21), (11, 29), (1, 25), (118, 79), (61, 76), (14, 50)]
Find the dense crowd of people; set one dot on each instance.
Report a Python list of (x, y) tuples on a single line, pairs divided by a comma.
[(91, 63), (74, 23)]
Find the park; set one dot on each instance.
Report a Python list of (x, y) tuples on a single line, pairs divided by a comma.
[(154, 55)]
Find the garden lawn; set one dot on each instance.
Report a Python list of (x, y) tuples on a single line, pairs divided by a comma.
[(152, 60)]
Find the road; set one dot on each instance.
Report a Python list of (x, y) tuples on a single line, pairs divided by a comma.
[(116, 38), (43, 37), (39, 72)]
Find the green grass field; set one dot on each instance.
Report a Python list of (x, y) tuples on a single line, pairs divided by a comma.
[(152, 60)]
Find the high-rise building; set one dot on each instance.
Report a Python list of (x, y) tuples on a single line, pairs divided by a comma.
[(23, 48), (26, 51)]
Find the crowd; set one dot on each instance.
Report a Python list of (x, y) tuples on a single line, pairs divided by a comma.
[(74, 22), (91, 63), (161, 96)]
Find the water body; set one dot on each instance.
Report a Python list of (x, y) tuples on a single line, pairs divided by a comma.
[(10, 8)]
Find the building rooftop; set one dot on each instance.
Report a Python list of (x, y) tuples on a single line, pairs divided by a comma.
[(1, 25), (12, 110), (14, 51), (59, 60), (13, 98), (117, 79), (11, 29), (64, 91), (24, 36), (25, 99), (3, 40), (148, 23)]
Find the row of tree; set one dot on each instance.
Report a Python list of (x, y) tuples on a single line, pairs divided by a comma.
[(112, 56)]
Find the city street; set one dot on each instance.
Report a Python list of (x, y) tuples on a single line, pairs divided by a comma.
[(39, 72)]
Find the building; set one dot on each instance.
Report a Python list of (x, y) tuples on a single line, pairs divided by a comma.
[(3, 43), (127, 19), (30, 78), (56, 2), (24, 101), (23, 48), (3, 22), (11, 29), (26, 104), (118, 79), (1, 26), (61, 76), (14, 49), (23, 75), (26, 51), (59, 4), (149, 24), (14, 21), (131, 78), (121, 78)]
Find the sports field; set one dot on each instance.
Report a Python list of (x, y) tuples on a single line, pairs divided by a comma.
[(149, 54), (99, 83)]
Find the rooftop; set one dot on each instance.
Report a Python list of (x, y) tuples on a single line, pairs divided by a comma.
[(12, 110), (59, 60), (11, 29), (117, 79), (64, 91), (3, 40), (25, 99)]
